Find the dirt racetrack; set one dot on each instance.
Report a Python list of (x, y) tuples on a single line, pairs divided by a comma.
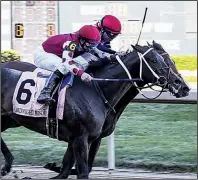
[(38, 172)]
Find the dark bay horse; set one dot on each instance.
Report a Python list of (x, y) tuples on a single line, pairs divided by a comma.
[(113, 117), (85, 113)]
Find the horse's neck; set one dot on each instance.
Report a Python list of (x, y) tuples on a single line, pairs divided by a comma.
[(114, 91), (126, 99), (113, 117)]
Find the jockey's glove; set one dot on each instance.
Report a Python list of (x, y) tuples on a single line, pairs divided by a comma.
[(121, 53), (86, 77), (113, 58), (101, 62)]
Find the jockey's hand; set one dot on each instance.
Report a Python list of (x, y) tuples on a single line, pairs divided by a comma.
[(121, 53), (86, 77), (113, 58)]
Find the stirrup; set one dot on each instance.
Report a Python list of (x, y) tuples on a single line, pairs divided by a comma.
[(48, 101)]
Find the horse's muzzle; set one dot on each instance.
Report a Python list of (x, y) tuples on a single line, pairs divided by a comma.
[(179, 88)]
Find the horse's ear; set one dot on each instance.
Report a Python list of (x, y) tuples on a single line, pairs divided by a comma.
[(155, 44), (158, 46), (134, 48), (148, 43), (139, 48)]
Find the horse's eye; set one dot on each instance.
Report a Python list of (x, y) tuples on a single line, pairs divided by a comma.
[(154, 61)]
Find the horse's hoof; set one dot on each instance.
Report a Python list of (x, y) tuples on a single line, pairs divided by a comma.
[(49, 165), (73, 172), (16, 177), (5, 170), (52, 167), (59, 177), (56, 177), (27, 178)]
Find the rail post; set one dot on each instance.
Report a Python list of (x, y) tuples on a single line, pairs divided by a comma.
[(111, 152)]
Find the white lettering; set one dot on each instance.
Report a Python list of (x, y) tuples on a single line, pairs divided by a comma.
[(170, 44), (158, 27), (148, 27), (164, 27), (174, 45), (29, 112), (134, 27)]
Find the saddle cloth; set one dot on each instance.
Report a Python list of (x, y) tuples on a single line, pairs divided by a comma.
[(29, 88)]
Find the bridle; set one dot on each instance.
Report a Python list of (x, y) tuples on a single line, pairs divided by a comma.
[(143, 60), (177, 74)]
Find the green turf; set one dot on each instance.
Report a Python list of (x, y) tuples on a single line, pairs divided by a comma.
[(153, 136), (190, 78), (185, 62)]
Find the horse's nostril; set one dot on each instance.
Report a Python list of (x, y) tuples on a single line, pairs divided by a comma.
[(185, 89), (177, 81)]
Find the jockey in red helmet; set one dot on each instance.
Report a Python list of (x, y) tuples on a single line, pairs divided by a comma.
[(109, 27), (89, 37), (62, 54)]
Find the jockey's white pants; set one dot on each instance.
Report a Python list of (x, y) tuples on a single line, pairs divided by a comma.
[(48, 61)]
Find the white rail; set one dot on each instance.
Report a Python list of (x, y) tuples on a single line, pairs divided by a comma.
[(165, 98)]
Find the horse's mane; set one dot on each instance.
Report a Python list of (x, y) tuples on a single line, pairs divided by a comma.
[(106, 68)]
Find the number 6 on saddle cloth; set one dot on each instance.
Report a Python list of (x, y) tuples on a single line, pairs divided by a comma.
[(28, 89)]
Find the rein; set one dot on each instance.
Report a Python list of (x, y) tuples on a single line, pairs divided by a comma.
[(117, 80), (102, 95), (134, 80)]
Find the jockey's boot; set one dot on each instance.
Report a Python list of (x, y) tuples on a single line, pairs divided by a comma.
[(46, 93)]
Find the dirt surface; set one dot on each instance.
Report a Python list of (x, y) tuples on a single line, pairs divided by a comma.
[(38, 172)]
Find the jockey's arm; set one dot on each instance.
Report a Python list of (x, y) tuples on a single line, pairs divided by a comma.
[(75, 65), (101, 54), (106, 47), (79, 64), (97, 64), (105, 51)]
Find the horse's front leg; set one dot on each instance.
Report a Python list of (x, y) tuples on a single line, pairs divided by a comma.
[(67, 163), (92, 152), (80, 148)]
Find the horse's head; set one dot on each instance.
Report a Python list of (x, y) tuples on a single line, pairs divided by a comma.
[(157, 71), (179, 83)]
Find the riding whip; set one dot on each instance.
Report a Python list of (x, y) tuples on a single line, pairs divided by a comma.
[(142, 25)]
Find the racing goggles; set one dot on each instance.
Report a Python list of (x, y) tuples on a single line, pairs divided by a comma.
[(91, 43), (111, 35), (107, 35)]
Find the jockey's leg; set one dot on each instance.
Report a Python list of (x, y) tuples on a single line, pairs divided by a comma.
[(46, 93), (54, 63), (54, 79), (49, 62)]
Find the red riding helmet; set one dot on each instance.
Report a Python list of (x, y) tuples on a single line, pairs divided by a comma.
[(111, 23), (90, 34)]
